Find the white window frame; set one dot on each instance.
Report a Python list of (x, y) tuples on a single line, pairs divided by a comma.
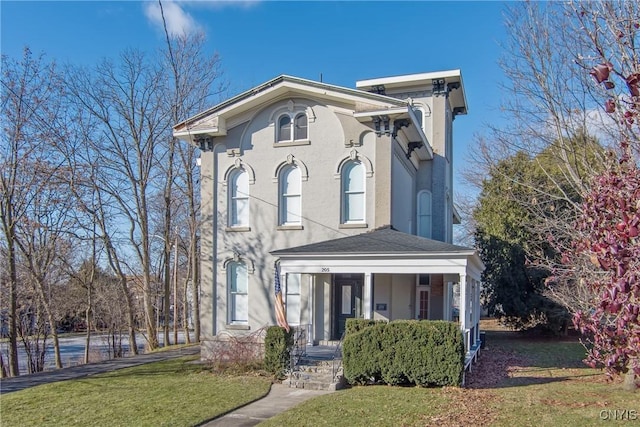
[(345, 193), (284, 216), (292, 127), (234, 199), (233, 295), (293, 317)]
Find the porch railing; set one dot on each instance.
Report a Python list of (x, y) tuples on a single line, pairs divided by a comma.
[(336, 362), (299, 347)]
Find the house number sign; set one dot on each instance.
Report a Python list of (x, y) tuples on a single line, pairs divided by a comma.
[(325, 270)]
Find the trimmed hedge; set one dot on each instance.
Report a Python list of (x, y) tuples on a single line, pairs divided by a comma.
[(354, 325), (424, 353), (276, 350)]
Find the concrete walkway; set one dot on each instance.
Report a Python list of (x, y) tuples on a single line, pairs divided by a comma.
[(8, 385), (279, 399)]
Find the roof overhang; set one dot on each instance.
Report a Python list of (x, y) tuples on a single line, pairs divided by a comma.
[(452, 80), (216, 120)]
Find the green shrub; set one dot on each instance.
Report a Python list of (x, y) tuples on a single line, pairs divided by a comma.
[(276, 350), (354, 325), (361, 353), (425, 353)]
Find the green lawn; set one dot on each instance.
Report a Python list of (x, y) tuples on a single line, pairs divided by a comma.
[(170, 393), (519, 381)]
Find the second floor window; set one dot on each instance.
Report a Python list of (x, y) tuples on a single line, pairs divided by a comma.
[(290, 197), (239, 199), (292, 128), (353, 193)]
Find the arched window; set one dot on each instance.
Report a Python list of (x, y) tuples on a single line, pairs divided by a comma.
[(284, 128), (424, 214), (238, 205), (290, 203), (300, 130), (292, 128), (238, 286), (353, 192)]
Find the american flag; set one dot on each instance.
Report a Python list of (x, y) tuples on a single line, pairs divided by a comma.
[(281, 316)]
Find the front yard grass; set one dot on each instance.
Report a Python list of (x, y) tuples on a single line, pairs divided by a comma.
[(175, 392), (520, 380)]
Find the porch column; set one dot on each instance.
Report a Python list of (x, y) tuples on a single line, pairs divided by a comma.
[(312, 321), (478, 310), (464, 316), (367, 296)]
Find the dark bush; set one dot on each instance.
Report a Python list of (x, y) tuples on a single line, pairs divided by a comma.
[(276, 350), (425, 353)]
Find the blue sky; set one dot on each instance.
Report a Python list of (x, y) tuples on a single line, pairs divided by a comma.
[(259, 40)]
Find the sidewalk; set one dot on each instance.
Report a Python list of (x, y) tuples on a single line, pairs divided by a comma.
[(8, 385), (279, 399)]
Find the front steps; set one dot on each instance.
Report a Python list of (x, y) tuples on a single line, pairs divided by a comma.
[(313, 374)]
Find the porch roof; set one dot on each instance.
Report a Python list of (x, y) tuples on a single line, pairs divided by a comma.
[(384, 250), (384, 240)]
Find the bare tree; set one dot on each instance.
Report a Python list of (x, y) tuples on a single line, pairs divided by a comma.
[(195, 79), (553, 115), (34, 212), (128, 102)]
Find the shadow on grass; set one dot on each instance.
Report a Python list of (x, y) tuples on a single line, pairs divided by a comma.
[(513, 359)]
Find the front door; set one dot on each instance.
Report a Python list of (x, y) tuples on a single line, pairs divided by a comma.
[(347, 300)]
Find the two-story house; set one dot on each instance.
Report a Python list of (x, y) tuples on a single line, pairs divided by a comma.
[(349, 190)]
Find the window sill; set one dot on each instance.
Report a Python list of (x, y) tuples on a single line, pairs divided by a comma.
[(238, 327), (290, 227), (237, 229), (292, 143), (354, 225)]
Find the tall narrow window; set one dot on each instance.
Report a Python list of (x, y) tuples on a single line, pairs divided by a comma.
[(293, 298), (424, 214), (239, 199), (237, 281), (290, 196), (300, 129), (353, 193), (284, 128)]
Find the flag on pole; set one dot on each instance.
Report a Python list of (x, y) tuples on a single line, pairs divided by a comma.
[(281, 316)]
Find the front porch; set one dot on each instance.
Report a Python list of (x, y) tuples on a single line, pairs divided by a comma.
[(384, 275)]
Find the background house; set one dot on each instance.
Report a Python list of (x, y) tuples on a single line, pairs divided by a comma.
[(350, 190)]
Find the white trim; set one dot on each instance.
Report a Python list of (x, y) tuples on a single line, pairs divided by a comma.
[(409, 78)]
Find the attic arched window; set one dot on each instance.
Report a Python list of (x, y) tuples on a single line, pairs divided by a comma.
[(300, 127), (292, 128)]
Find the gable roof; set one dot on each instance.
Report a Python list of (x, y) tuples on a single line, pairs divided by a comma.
[(212, 122), (385, 240)]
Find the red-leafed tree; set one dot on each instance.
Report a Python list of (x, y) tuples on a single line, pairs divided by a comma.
[(606, 255)]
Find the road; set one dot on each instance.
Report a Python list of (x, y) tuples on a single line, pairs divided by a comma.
[(72, 349)]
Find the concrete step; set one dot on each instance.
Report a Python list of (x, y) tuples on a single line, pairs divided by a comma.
[(315, 384), (317, 375)]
